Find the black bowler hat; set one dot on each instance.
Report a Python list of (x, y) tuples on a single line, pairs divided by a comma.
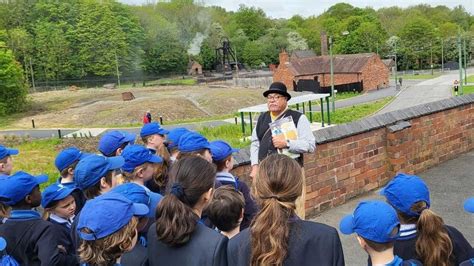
[(277, 87)]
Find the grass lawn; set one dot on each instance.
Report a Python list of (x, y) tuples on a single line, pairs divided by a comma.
[(419, 76), (470, 79), (468, 89), (353, 113), (170, 81)]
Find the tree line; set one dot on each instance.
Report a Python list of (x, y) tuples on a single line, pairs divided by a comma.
[(87, 39)]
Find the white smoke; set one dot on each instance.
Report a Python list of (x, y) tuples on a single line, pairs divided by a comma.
[(195, 45)]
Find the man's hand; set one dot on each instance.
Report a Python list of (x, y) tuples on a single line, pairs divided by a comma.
[(279, 141), (254, 171)]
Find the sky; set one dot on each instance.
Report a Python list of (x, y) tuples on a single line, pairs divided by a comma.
[(305, 8)]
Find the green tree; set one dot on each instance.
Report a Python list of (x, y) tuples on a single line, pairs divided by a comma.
[(417, 37), (252, 21), (296, 42), (13, 89)]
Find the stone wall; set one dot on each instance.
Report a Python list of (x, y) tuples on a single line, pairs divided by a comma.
[(352, 159)]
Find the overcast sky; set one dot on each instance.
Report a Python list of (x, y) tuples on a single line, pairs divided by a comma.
[(305, 8)]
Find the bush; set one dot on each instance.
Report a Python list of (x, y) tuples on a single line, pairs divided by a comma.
[(13, 88)]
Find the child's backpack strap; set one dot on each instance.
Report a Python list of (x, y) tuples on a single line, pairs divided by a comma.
[(5, 259)]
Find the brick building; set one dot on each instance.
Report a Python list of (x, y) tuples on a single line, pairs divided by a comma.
[(351, 68)]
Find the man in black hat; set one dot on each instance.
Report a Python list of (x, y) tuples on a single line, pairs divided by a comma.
[(264, 144)]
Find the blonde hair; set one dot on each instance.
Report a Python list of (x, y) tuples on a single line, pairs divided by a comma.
[(277, 186), (106, 251)]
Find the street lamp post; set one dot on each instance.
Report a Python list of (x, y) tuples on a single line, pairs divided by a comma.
[(465, 61), (460, 63), (396, 70), (442, 55), (332, 75)]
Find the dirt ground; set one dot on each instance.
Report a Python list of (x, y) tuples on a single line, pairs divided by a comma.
[(105, 107)]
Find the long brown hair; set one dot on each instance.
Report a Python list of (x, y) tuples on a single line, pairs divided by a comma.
[(277, 186), (190, 178), (433, 244)]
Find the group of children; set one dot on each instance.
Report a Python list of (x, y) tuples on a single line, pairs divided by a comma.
[(173, 201)]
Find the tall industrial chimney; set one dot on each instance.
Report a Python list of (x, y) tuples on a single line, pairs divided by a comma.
[(324, 43)]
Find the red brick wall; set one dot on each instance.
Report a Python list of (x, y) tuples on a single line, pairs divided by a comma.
[(342, 169), (375, 74)]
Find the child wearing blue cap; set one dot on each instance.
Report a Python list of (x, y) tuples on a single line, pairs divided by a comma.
[(108, 228), (140, 166), (377, 227), (153, 135), (6, 161), (172, 140), (66, 161), (179, 238), (95, 175), (277, 236), (113, 142), (222, 158), (423, 234), (60, 208), (139, 194), (194, 144), (31, 240)]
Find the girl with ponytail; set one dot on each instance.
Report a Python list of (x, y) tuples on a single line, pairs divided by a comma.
[(178, 237), (277, 236), (423, 234)]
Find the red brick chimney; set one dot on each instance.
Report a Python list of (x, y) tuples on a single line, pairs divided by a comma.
[(324, 43), (284, 58)]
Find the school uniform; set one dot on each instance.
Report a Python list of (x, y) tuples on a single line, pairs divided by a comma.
[(309, 243), (33, 241), (467, 262), (405, 245), (138, 256), (205, 247), (250, 209), (63, 229), (397, 261)]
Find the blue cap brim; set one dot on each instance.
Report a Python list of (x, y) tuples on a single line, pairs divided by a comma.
[(469, 205), (42, 178), (163, 131), (155, 159), (155, 198), (235, 150), (140, 209), (346, 226), (3, 244), (64, 193), (129, 137), (12, 151), (115, 162)]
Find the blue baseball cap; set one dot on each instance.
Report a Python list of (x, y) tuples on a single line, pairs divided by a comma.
[(173, 137), (139, 194), (3, 244), (68, 156), (469, 205), (54, 192), (16, 187), (405, 190), (106, 214), (92, 168), (4, 152), (373, 220), (193, 141), (221, 150), (136, 155), (151, 129), (112, 140)]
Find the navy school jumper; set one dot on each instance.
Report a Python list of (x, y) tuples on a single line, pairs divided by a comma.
[(33, 241), (310, 243)]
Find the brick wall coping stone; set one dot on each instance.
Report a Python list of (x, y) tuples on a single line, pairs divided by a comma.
[(337, 132)]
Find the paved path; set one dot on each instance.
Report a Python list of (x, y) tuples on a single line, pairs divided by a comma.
[(424, 92), (450, 184)]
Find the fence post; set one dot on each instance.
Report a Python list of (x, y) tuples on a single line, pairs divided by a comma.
[(59, 133), (161, 120), (33, 123)]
